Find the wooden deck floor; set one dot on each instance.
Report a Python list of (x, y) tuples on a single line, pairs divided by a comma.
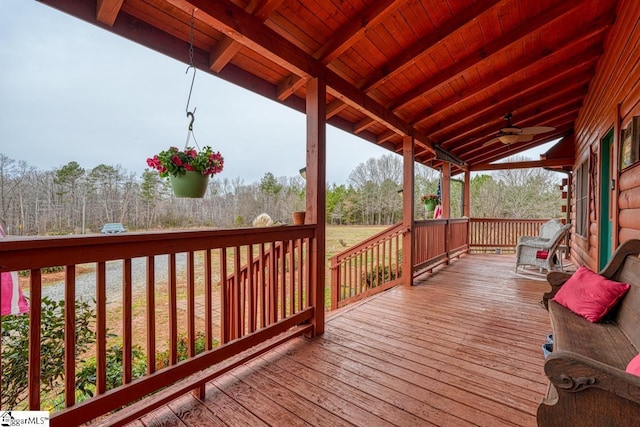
[(463, 347)]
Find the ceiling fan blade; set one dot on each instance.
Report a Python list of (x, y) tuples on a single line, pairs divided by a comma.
[(534, 130), (525, 137), (512, 130), (491, 141)]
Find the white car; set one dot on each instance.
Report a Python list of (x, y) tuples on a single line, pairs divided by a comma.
[(113, 228)]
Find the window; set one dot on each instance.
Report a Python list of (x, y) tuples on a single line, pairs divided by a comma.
[(630, 143), (582, 199)]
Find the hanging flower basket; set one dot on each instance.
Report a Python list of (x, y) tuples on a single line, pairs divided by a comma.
[(188, 170), (191, 184), (430, 205), (430, 201)]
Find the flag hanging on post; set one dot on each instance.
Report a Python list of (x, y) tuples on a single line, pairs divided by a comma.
[(12, 299)]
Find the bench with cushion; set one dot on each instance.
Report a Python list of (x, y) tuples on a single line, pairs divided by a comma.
[(587, 369)]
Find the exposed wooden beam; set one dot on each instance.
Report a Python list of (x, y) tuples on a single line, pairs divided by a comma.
[(335, 107), (524, 93), (289, 86), (222, 53), (422, 46), (246, 29), (575, 60), (544, 18), (363, 124), (386, 136), (566, 161), (486, 125), (107, 11), (227, 48), (355, 29)]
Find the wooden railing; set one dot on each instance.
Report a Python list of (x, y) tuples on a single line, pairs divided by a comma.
[(375, 264), (367, 268), (498, 235), (437, 241), (253, 307)]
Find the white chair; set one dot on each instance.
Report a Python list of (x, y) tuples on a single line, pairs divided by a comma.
[(539, 251)]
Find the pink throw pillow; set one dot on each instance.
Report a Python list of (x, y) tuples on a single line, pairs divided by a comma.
[(589, 294), (634, 366)]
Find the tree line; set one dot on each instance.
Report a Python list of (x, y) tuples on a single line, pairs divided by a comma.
[(74, 200)]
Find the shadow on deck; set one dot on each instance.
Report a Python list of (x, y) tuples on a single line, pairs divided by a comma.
[(462, 347)]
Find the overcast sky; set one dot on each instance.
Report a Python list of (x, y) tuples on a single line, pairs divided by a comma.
[(70, 91)]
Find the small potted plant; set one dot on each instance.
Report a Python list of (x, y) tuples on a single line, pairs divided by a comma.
[(430, 201), (188, 170)]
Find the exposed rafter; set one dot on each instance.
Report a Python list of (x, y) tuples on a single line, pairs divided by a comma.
[(228, 48), (443, 73), (107, 11), (566, 161), (535, 23), (420, 48), (355, 30)]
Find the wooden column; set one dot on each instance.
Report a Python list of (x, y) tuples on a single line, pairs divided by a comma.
[(445, 188), (466, 204), (316, 193), (407, 210)]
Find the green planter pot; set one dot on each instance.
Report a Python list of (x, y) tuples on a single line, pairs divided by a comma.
[(191, 184), (430, 205)]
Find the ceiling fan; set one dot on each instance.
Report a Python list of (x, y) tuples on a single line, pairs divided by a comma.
[(511, 134)]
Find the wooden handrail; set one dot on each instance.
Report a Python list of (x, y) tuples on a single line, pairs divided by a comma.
[(243, 298), (489, 234), (367, 268), (373, 265)]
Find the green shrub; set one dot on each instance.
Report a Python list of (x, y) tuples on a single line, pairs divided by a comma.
[(15, 349), (162, 357)]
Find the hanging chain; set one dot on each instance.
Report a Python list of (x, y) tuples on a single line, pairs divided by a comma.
[(190, 114), (191, 24)]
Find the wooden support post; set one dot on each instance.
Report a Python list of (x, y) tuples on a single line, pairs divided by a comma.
[(316, 193), (466, 207), (445, 188), (407, 210)]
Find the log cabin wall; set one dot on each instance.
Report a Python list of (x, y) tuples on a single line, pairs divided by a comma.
[(613, 99)]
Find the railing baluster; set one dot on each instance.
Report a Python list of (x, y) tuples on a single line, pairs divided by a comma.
[(273, 284), (151, 314), (101, 327), (236, 314), (225, 300), (208, 300), (283, 280), (35, 325), (262, 289), (70, 335), (251, 286), (173, 310), (127, 322), (292, 278), (191, 304)]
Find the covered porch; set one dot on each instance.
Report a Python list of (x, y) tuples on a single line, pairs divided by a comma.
[(461, 347)]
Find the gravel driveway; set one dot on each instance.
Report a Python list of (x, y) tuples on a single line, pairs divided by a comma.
[(86, 283)]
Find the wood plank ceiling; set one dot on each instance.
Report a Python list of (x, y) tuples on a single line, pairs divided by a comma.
[(444, 71)]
